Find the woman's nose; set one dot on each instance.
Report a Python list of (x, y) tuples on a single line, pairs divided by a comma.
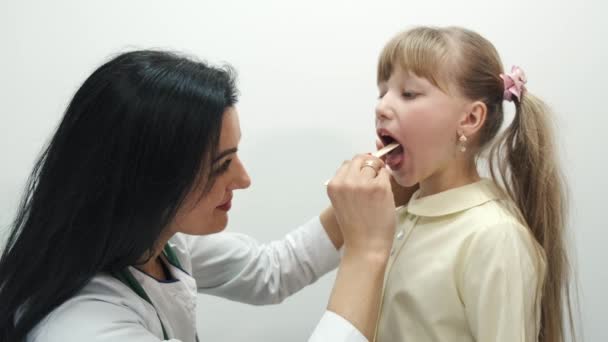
[(242, 180)]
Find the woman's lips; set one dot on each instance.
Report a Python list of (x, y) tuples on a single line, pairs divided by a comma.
[(227, 205)]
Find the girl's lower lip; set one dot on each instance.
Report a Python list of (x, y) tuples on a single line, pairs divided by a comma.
[(395, 166), (225, 207), (395, 158)]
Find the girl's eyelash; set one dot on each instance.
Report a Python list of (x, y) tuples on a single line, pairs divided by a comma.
[(406, 94)]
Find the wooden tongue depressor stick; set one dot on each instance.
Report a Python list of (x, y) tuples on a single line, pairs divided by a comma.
[(386, 149), (381, 152)]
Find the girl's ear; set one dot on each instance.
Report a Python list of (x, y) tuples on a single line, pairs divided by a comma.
[(473, 119)]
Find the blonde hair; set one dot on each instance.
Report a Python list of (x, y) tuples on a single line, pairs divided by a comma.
[(522, 158)]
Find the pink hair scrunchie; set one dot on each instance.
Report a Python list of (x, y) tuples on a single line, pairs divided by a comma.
[(514, 83)]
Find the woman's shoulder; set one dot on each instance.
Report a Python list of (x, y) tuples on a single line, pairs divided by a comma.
[(102, 304), (203, 247)]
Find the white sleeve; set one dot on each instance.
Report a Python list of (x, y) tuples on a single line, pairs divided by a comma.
[(237, 267), (335, 328)]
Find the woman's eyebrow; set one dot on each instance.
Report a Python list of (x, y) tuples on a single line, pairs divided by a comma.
[(225, 153)]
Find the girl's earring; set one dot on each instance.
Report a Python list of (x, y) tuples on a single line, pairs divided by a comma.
[(463, 142)]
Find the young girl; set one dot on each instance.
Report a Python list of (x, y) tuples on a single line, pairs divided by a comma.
[(474, 259)]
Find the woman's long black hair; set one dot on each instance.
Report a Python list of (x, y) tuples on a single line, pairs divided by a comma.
[(134, 140)]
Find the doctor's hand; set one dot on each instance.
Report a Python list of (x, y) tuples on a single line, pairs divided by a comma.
[(364, 207)]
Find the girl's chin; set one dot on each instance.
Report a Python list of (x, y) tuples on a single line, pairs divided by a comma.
[(404, 179)]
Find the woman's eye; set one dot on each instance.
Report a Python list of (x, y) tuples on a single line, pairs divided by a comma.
[(224, 167)]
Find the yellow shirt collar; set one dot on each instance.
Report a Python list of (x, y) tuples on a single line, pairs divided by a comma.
[(454, 200)]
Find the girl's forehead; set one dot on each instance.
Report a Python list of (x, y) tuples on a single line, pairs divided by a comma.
[(403, 77)]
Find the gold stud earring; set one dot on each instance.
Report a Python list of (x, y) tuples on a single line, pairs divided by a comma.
[(463, 142)]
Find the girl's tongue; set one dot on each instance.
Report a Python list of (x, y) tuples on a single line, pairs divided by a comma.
[(394, 158)]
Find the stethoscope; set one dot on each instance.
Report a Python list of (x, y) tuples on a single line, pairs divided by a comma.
[(127, 278)]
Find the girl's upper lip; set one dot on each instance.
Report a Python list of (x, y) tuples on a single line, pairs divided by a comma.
[(382, 132)]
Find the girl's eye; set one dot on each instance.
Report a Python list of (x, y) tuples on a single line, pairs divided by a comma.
[(224, 167), (409, 95)]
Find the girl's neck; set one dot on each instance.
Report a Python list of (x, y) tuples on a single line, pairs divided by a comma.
[(449, 178)]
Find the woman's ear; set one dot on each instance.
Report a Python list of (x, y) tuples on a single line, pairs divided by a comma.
[(473, 119)]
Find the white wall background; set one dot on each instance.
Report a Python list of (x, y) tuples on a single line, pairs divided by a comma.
[(307, 77)]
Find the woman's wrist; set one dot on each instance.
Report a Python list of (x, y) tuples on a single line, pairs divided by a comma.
[(331, 226), (373, 257), (357, 291)]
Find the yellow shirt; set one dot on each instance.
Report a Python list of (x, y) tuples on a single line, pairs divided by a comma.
[(463, 268)]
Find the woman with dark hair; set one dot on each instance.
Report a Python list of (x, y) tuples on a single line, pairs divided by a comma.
[(115, 233)]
